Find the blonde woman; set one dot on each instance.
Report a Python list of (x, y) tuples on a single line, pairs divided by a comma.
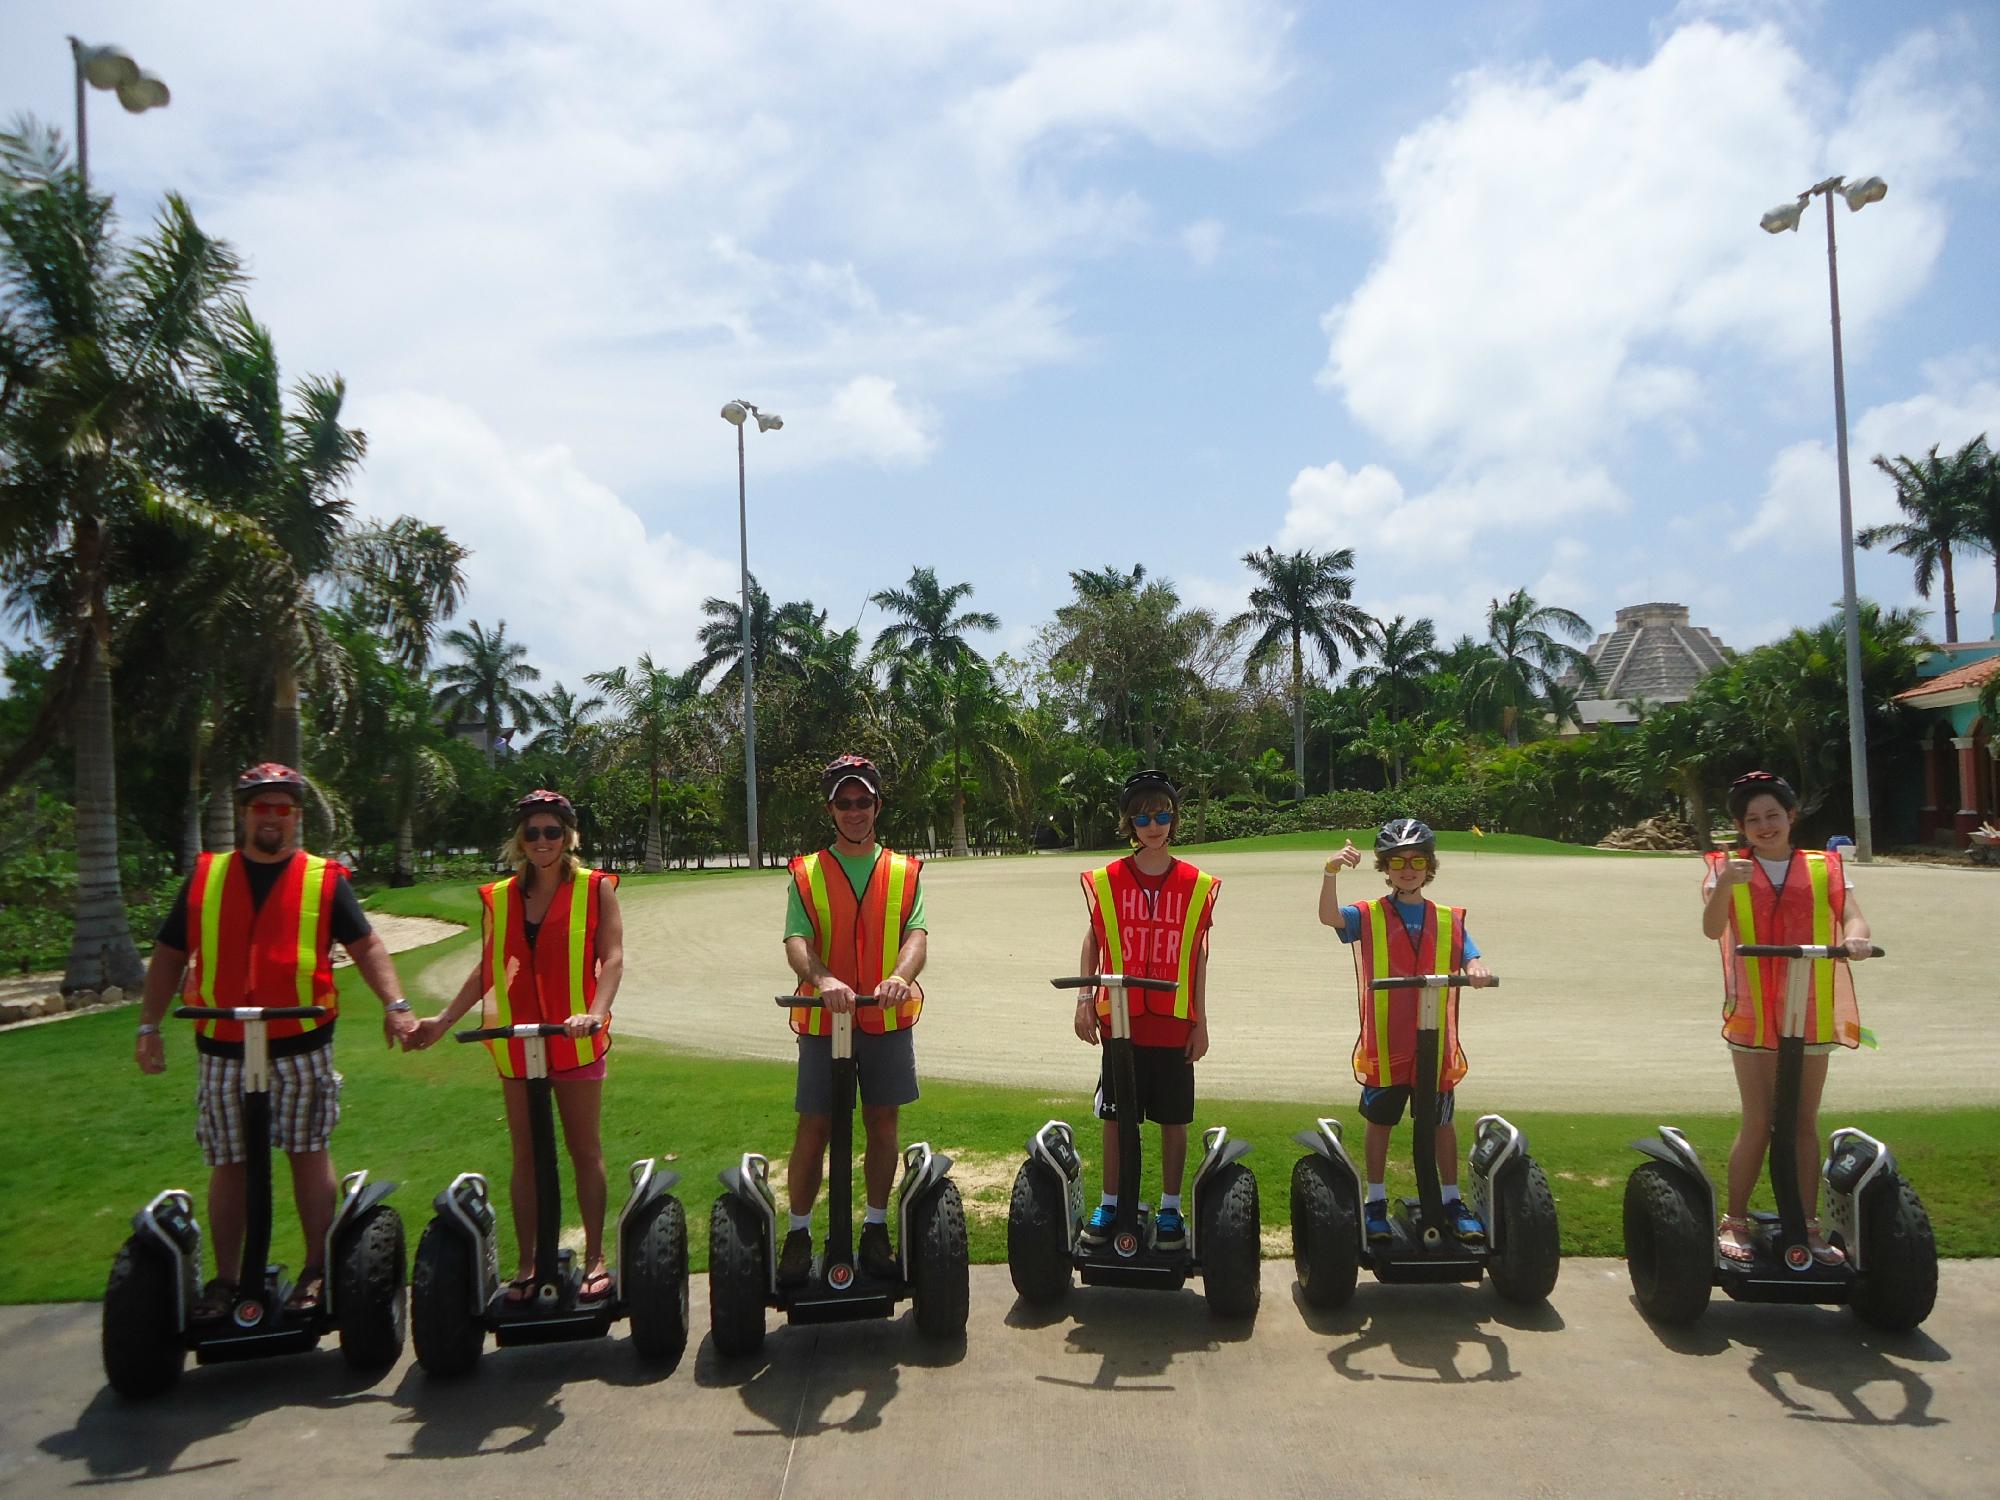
[(535, 921)]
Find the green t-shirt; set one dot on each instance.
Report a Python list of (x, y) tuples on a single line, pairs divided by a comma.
[(858, 868)]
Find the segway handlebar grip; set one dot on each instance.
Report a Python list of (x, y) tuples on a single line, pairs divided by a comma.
[(252, 1012), (1434, 982), (1115, 982), (814, 1002), (1799, 950), (515, 1033)]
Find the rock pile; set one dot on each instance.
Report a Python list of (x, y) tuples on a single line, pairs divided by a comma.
[(26, 1003), (1663, 832)]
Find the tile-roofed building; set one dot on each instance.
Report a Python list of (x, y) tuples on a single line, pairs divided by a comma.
[(1958, 747), (1651, 652)]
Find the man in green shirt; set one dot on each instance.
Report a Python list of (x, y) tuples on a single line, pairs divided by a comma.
[(850, 959)]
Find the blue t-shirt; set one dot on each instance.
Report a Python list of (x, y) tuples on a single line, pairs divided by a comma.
[(1413, 923)]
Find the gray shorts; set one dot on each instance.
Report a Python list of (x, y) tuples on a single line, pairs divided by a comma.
[(885, 1065), (305, 1105)]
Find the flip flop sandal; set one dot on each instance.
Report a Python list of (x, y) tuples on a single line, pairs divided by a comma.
[(520, 1291), (1825, 1254), (595, 1288), (1732, 1238), (214, 1302), (308, 1290)]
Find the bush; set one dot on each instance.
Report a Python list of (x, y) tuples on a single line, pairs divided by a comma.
[(1447, 807)]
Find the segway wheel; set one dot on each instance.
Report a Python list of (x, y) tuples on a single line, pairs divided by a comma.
[(448, 1336), (369, 1285), (737, 1277), (1528, 1256), (939, 1261), (1669, 1245), (143, 1354), (1326, 1245), (1038, 1235), (1897, 1285), (656, 1286), (1230, 1244)]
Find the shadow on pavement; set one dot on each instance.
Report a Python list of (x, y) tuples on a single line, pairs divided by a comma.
[(119, 1441), (1134, 1336), (837, 1377), (1422, 1329), (1796, 1352)]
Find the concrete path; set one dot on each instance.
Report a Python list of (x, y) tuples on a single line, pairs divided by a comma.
[(1610, 1000), (1408, 1391)]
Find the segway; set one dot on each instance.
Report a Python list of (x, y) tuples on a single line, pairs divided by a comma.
[(1889, 1276), (1045, 1219), (457, 1297), (743, 1238), (149, 1302), (1510, 1193)]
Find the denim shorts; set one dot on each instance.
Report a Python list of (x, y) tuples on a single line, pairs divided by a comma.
[(885, 1064)]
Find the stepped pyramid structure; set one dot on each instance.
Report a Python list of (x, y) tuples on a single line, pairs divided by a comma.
[(1651, 653)]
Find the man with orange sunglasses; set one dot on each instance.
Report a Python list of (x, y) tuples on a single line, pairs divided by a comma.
[(256, 926), (1404, 933)]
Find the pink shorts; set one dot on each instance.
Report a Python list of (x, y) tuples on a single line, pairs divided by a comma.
[(588, 1073)]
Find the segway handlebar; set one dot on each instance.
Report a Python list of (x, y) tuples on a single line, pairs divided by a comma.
[(1799, 950), (814, 1002), (1114, 982), (1435, 982), (252, 1012), (517, 1033)]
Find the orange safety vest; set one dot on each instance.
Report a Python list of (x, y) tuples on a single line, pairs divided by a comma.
[(1811, 907), (1386, 1052), (852, 935), (1152, 938), (555, 979), (281, 953)]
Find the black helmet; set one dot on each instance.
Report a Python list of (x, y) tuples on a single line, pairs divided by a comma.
[(1404, 833), (542, 798), (849, 768), (1760, 784), (1141, 782), (266, 775)]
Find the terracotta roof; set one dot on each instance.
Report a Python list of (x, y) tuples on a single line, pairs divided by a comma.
[(1972, 675)]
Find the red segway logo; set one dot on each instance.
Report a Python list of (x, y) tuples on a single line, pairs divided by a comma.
[(1127, 1244), (840, 1277), (1798, 1257), (249, 1314)]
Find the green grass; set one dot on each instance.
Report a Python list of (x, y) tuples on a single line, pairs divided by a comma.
[(113, 1137)]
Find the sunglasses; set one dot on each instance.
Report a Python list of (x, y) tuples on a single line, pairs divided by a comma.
[(277, 809), (1146, 820), (1409, 862), (850, 804), (548, 833)]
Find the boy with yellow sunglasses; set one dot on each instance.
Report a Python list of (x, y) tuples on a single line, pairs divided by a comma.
[(1413, 936)]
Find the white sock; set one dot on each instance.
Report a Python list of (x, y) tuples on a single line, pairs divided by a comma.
[(1170, 1202), (1108, 1200), (801, 1221), (1451, 1193), (875, 1215), (1377, 1193)]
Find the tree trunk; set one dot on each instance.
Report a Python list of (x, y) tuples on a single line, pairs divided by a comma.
[(1950, 598), (101, 952), (1298, 717), (958, 843), (218, 824), (191, 818), (285, 733), (1510, 724), (405, 872), (653, 860), (1697, 801)]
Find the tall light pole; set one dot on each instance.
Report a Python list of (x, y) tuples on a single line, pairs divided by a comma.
[(733, 412), (1858, 195), (111, 68)]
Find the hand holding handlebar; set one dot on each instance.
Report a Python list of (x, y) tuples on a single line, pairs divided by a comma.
[(1853, 948), (825, 1002), (1115, 982), (521, 1033), (1437, 982)]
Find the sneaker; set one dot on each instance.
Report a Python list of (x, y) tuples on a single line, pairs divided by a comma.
[(796, 1263), (877, 1259), (1464, 1222), (1169, 1230), (1375, 1215), (1097, 1228)]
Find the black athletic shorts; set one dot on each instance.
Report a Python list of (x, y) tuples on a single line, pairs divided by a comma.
[(1385, 1106), (1165, 1082)]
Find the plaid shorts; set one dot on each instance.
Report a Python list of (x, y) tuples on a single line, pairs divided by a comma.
[(305, 1105)]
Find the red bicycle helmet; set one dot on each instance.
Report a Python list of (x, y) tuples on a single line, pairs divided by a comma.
[(542, 797), (850, 768), (268, 774)]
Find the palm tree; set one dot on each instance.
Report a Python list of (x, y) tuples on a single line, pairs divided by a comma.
[(1937, 495), (567, 729), (1405, 654), (1527, 658), (1982, 502), (721, 639), (489, 684), (974, 718), (928, 630), (1304, 597), (97, 343), (652, 699)]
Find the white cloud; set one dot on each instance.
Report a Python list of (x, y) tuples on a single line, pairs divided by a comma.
[(868, 418), (1331, 507), (1203, 241)]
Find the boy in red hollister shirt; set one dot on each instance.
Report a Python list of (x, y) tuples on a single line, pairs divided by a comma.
[(1149, 916)]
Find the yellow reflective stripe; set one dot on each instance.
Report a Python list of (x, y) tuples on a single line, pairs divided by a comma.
[(1378, 943), (1107, 908), (312, 890), (579, 915), (1752, 968), (1822, 969), (211, 923), (496, 953), (1197, 903), (822, 908), (898, 875)]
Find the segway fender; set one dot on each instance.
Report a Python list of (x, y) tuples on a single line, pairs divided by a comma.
[(167, 1227), (651, 1183), (1674, 1150), (1498, 1147), (465, 1209), (1053, 1149), (1856, 1160), (750, 1180), (1326, 1140), (1218, 1151), (357, 1197), (923, 1171)]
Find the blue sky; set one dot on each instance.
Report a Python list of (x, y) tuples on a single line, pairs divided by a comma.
[(1477, 290)]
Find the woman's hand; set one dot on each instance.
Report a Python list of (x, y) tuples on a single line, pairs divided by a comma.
[(428, 1031), (581, 1025)]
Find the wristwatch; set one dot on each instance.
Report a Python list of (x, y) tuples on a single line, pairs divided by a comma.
[(149, 1028), (389, 1006)]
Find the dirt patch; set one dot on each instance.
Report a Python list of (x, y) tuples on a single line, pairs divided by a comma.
[(1595, 1179), (985, 1181)]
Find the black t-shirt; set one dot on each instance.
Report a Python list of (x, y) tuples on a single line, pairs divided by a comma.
[(350, 926)]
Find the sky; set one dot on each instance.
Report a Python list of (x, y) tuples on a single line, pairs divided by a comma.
[(1477, 290)]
